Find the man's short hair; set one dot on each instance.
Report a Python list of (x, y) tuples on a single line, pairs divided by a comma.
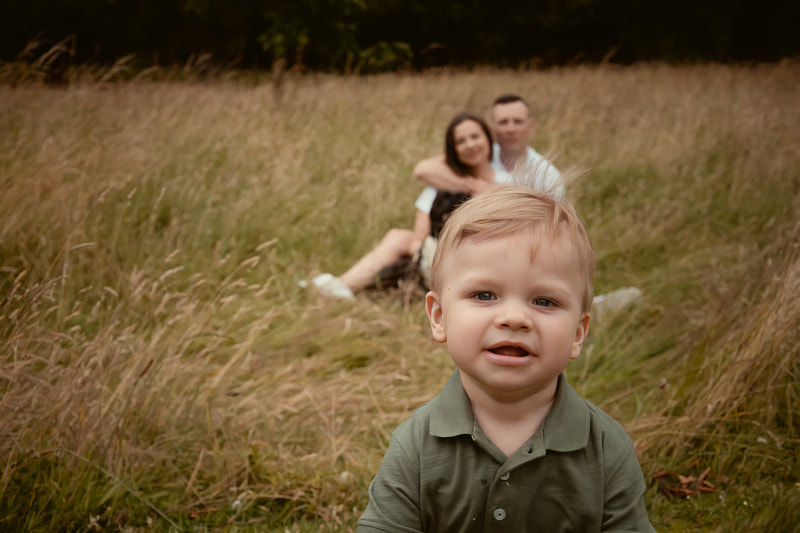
[(509, 99), (504, 210)]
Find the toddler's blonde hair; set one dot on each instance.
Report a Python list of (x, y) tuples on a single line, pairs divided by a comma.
[(505, 210)]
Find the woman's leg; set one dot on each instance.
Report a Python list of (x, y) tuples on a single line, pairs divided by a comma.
[(395, 245)]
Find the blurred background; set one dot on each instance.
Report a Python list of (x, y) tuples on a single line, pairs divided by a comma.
[(369, 35)]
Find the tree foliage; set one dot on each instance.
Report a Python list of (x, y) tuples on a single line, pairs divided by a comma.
[(367, 35)]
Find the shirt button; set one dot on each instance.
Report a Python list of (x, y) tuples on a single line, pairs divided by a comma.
[(505, 476), (499, 514)]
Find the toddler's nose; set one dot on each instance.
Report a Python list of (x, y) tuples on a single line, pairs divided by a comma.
[(513, 316)]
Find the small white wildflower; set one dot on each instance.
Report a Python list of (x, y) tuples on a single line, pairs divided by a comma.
[(93, 523), (236, 505), (761, 440)]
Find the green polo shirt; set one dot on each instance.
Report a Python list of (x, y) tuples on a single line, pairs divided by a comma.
[(442, 474)]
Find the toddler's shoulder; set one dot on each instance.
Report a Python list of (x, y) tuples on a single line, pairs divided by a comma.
[(603, 421), (416, 427), (584, 416), (609, 438)]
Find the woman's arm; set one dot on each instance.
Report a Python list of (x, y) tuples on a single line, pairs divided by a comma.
[(435, 172)]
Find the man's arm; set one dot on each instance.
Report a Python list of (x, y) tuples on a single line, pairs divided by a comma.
[(435, 172)]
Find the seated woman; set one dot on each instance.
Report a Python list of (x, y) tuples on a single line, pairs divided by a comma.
[(468, 152)]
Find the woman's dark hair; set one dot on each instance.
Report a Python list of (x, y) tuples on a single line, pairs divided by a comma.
[(450, 154)]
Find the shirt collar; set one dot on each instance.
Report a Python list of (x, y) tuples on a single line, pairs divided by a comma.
[(451, 413), (566, 427)]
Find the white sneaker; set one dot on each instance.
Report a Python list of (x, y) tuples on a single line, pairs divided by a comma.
[(332, 287)]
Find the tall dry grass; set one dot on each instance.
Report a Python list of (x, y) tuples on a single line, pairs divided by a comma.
[(161, 369)]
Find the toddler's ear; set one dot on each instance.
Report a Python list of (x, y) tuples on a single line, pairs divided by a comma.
[(434, 309), (580, 335)]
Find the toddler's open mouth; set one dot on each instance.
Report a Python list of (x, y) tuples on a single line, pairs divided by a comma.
[(515, 351)]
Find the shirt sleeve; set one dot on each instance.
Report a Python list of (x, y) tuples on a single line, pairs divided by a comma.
[(394, 494), (555, 183), (624, 510), (541, 174), (425, 200)]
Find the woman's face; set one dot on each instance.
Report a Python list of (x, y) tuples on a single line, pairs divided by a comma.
[(472, 145)]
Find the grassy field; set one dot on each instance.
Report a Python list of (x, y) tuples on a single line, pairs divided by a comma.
[(161, 369)]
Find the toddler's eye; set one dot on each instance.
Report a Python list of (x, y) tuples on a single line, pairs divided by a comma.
[(543, 302), (483, 296)]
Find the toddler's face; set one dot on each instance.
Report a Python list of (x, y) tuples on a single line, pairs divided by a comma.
[(510, 312)]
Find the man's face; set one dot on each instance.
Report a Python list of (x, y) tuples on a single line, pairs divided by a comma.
[(512, 126)]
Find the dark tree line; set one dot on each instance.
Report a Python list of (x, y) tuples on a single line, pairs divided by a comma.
[(371, 35)]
